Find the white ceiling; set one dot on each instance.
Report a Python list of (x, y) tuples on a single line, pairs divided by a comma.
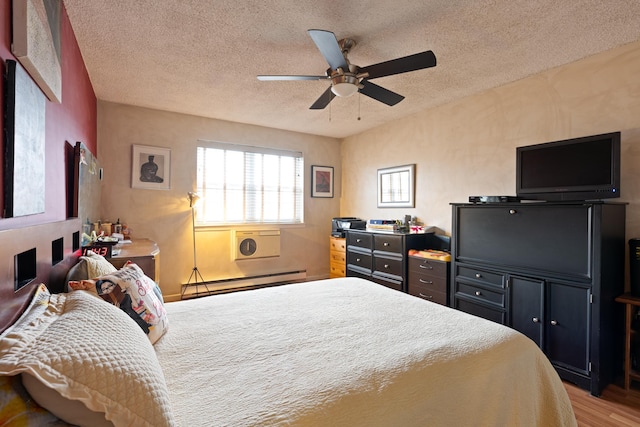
[(202, 57)]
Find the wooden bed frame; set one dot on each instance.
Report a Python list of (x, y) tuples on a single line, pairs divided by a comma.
[(32, 255)]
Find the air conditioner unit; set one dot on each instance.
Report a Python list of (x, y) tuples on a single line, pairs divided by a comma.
[(255, 244)]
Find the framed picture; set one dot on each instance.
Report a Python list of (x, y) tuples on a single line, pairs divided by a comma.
[(396, 187), (36, 43), (24, 163), (321, 181), (151, 168)]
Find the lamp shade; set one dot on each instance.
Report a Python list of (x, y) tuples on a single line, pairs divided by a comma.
[(344, 85)]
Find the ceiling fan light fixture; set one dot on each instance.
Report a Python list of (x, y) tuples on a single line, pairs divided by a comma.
[(344, 85)]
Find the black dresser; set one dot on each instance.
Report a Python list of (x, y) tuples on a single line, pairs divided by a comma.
[(382, 257), (551, 271)]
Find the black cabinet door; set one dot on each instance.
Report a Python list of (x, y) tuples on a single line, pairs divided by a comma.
[(567, 326), (527, 312), (554, 239)]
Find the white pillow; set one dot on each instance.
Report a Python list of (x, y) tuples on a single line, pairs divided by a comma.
[(72, 411), (91, 352)]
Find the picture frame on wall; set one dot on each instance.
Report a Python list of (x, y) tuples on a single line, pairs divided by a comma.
[(396, 187), (151, 167), (36, 43), (321, 181), (24, 150)]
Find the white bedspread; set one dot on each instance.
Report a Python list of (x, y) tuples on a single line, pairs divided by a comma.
[(348, 352)]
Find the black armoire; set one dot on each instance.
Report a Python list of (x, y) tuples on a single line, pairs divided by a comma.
[(550, 271)]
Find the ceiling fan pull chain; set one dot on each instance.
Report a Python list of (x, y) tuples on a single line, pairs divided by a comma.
[(359, 97)]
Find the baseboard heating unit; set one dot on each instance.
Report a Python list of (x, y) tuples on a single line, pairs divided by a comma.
[(244, 283)]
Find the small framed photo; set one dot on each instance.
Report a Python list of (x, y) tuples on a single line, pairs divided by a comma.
[(151, 168), (321, 181)]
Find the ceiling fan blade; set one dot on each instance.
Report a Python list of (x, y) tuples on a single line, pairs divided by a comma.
[(379, 93), (329, 48), (405, 64), (324, 100), (272, 78)]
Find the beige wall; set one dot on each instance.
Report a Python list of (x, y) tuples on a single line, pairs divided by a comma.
[(165, 217), (460, 149), (468, 147)]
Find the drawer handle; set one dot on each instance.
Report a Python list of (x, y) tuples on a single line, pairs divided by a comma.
[(357, 259), (385, 244), (425, 296), (478, 275), (554, 323), (535, 320), (478, 293), (427, 282), (426, 266), (358, 240), (513, 211), (386, 266)]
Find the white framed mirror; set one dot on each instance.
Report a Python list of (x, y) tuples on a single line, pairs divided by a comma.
[(396, 187)]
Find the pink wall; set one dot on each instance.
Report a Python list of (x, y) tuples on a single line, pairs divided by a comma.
[(75, 119)]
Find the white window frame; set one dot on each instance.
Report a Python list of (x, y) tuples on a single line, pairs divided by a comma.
[(235, 172)]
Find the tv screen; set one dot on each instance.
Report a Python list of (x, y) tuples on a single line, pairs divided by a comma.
[(584, 168)]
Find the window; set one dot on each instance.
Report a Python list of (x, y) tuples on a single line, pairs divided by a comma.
[(240, 184)]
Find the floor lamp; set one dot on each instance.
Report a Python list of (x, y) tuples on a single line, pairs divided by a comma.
[(195, 273)]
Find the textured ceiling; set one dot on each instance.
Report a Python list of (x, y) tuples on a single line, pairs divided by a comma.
[(202, 57)]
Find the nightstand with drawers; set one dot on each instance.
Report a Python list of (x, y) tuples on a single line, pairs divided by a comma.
[(429, 279), (337, 257)]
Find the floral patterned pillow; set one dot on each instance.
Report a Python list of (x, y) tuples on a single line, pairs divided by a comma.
[(138, 296)]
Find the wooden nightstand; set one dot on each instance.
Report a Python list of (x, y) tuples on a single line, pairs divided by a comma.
[(143, 252), (630, 302), (337, 257)]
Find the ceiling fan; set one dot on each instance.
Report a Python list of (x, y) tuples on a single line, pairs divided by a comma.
[(347, 79)]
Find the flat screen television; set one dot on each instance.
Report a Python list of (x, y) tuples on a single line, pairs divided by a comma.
[(586, 168)]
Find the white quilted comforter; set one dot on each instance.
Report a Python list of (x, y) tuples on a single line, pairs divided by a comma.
[(347, 352)]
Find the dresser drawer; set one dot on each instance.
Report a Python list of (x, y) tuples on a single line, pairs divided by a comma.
[(337, 244), (392, 266), (497, 316), (481, 294), (335, 256), (481, 276), (437, 297), (435, 283), (428, 266), (361, 240), (395, 284), (387, 243), (337, 270), (359, 260)]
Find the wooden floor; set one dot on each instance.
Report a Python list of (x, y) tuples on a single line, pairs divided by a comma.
[(615, 407)]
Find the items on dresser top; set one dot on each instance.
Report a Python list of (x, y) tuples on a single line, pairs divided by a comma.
[(340, 224)]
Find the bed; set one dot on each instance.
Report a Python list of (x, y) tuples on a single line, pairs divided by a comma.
[(339, 352)]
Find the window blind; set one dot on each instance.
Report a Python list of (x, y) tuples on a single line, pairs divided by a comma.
[(241, 184)]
